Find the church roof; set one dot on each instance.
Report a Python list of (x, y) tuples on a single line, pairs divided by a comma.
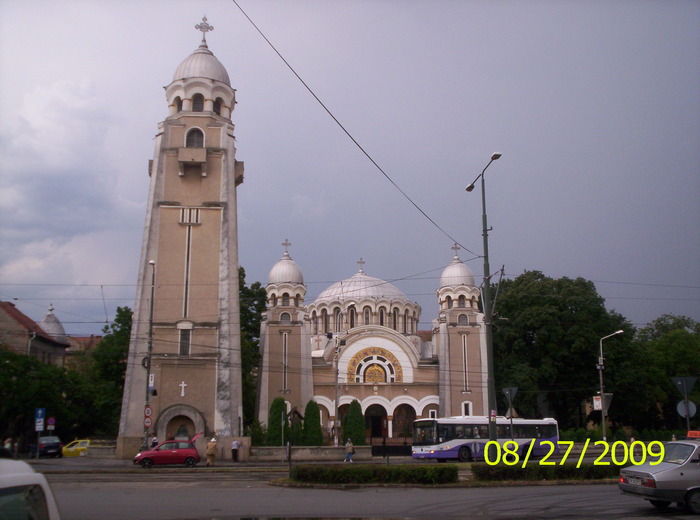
[(53, 326), (202, 64), (361, 286), (457, 273), (285, 271)]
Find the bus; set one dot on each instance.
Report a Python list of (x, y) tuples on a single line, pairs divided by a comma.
[(464, 437)]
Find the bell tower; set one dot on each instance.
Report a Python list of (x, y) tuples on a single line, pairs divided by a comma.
[(184, 367)]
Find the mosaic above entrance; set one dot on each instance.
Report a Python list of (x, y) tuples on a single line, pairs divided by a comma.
[(374, 365)]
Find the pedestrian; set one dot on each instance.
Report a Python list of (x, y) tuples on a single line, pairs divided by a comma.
[(349, 451), (235, 446), (154, 442), (8, 444), (211, 452)]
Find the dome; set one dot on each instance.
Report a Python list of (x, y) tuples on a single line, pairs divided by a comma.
[(361, 286), (53, 327), (285, 271), (457, 274), (202, 64)]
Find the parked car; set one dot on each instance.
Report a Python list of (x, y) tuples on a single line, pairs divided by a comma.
[(170, 452), (50, 447), (76, 448), (675, 479), (25, 493)]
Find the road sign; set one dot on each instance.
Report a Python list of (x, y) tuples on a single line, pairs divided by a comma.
[(691, 409), (147, 422), (39, 416), (148, 411), (51, 423)]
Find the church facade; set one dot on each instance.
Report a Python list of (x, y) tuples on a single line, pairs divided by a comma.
[(183, 375), (359, 340)]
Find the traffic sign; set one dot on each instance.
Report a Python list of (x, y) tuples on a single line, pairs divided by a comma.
[(688, 411), (39, 415), (147, 422), (148, 411), (51, 423)]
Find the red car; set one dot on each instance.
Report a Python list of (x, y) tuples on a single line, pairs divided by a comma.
[(170, 452)]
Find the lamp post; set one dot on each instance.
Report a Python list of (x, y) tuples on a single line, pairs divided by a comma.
[(147, 359), (603, 404), (486, 299)]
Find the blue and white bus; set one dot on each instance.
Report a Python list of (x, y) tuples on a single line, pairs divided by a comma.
[(464, 437)]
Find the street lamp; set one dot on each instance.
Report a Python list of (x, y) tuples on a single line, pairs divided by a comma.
[(147, 359), (486, 299), (603, 403)]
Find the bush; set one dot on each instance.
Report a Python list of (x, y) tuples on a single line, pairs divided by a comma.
[(375, 474), (533, 472)]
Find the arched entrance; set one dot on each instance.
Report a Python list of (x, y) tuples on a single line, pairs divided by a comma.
[(180, 428), (404, 415), (376, 421)]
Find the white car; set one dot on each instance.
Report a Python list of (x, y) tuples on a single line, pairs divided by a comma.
[(675, 479), (25, 493)]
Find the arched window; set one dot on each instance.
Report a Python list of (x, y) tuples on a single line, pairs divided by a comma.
[(198, 103), (395, 319), (406, 327), (325, 320), (285, 299), (273, 299), (178, 104), (462, 301), (462, 320), (449, 302), (314, 321), (337, 318), (217, 106), (382, 313), (351, 313), (195, 139), (285, 317), (368, 315)]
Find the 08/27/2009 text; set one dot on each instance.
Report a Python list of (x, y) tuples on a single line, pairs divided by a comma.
[(620, 452)]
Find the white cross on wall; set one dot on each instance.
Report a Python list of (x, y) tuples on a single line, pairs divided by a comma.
[(182, 386)]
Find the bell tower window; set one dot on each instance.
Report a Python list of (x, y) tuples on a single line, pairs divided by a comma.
[(217, 106), (198, 103), (195, 139)]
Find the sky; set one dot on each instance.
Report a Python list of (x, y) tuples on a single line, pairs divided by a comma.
[(595, 106)]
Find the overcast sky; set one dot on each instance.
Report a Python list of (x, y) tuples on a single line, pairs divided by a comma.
[(595, 106)]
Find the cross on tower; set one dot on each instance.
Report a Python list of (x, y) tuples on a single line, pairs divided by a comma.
[(205, 28), (361, 262), (456, 248), (286, 245)]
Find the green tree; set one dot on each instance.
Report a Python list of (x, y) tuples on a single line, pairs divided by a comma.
[(277, 422), (354, 424), (313, 432), (547, 345), (252, 305)]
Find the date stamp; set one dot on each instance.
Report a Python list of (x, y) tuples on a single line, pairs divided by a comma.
[(621, 453)]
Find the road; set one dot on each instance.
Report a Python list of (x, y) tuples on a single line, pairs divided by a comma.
[(246, 493)]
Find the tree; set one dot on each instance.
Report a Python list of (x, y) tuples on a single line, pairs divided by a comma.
[(547, 345), (252, 305), (277, 422), (354, 424), (312, 433)]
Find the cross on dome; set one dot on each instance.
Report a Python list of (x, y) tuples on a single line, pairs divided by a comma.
[(286, 245), (205, 28), (361, 262)]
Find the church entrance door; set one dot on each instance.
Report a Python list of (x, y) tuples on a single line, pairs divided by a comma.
[(375, 421)]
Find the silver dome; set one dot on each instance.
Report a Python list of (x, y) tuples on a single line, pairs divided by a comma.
[(360, 286), (202, 64), (285, 271), (457, 273), (53, 327)]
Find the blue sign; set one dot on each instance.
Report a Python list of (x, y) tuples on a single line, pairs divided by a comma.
[(39, 415)]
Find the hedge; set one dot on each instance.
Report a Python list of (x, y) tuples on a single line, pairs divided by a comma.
[(375, 474), (534, 471)]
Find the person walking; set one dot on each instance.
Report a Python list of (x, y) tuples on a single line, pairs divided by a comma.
[(235, 446), (349, 451), (154, 442), (211, 452)]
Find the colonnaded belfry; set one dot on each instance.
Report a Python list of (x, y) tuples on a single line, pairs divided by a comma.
[(184, 368)]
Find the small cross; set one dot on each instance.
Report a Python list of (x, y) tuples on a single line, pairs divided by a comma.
[(361, 262), (182, 386), (204, 27), (286, 245), (456, 248)]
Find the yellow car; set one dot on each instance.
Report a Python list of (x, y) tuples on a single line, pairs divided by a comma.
[(76, 448)]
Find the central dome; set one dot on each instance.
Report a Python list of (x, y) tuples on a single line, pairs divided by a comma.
[(202, 64), (361, 286)]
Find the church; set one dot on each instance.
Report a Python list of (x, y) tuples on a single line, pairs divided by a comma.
[(359, 340)]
